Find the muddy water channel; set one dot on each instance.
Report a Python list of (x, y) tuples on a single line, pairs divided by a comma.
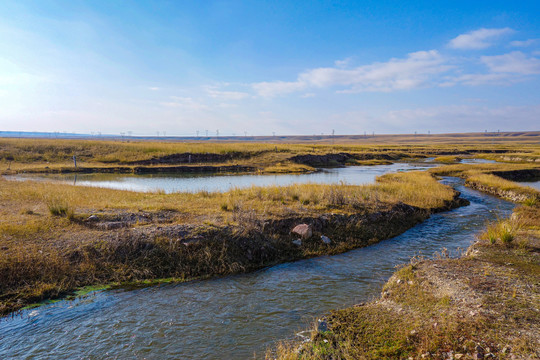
[(235, 316)]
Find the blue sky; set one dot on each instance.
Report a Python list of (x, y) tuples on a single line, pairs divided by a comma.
[(257, 67)]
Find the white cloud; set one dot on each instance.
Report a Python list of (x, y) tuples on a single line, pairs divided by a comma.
[(515, 62), (343, 63), (274, 88), (482, 79), (153, 88), (213, 92), (416, 70), (503, 69), (227, 105), (523, 43), (186, 103), (478, 39)]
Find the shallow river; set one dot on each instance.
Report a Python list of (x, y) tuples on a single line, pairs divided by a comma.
[(235, 316), (354, 175), (533, 184)]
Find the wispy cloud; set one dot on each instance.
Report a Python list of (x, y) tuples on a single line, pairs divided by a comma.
[(503, 69), (186, 103), (153, 88), (478, 39), (394, 74), (524, 43), (416, 70), (515, 62), (482, 79), (274, 88), (213, 92), (343, 63)]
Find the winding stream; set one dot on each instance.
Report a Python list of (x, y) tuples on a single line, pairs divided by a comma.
[(235, 316)]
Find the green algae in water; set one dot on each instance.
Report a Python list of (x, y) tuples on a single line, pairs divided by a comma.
[(76, 294), (88, 289)]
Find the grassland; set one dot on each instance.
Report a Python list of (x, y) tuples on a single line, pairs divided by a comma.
[(47, 155), (448, 159), (56, 238)]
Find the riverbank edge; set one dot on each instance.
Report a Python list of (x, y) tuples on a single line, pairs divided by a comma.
[(500, 180), (264, 244), (236, 162), (137, 169), (222, 169), (387, 328), (516, 193)]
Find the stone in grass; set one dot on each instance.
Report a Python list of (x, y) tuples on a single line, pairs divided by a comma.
[(190, 242), (303, 230), (111, 225), (322, 325), (297, 242), (479, 352), (325, 239), (92, 218)]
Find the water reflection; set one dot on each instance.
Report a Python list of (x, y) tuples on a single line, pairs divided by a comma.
[(533, 184), (170, 183)]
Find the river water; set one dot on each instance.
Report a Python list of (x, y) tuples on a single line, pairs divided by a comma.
[(235, 316), (169, 183), (533, 184)]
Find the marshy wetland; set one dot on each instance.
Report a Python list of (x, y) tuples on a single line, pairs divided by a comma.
[(202, 266)]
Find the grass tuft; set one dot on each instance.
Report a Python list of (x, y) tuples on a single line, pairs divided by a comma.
[(503, 230), (531, 202), (59, 208)]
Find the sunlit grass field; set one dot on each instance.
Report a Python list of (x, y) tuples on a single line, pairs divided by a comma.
[(49, 248), (48, 154)]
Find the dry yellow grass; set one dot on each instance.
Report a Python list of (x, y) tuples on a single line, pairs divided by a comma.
[(47, 154), (461, 169), (405, 187), (448, 159), (494, 181), (49, 248), (288, 168)]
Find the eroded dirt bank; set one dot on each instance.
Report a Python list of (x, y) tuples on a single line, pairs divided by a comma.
[(519, 175)]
